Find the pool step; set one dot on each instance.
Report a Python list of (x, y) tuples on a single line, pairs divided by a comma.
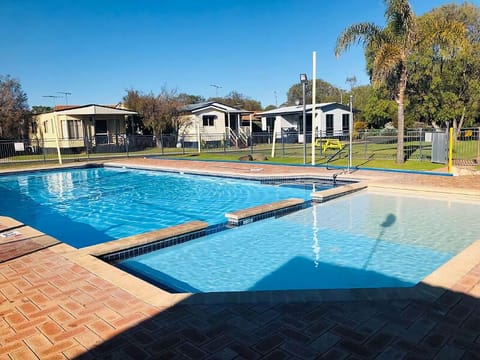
[(329, 194), (255, 213)]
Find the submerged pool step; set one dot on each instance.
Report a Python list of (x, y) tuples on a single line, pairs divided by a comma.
[(326, 195), (277, 208)]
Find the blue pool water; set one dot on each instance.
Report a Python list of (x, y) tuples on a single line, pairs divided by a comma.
[(360, 241), (83, 207)]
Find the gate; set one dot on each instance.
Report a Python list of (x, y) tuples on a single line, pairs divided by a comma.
[(439, 147)]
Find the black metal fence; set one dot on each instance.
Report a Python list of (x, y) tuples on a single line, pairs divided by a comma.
[(288, 143)]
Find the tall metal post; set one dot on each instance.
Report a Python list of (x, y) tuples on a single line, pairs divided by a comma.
[(303, 80), (314, 104), (304, 128), (350, 132)]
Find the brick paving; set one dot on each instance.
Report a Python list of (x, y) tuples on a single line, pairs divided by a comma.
[(56, 303)]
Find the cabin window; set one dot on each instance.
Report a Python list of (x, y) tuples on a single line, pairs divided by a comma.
[(345, 122), (270, 123), (72, 129), (329, 125), (45, 126), (208, 120)]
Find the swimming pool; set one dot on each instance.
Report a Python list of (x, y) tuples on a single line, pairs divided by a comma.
[(88, 206), (365, 240)]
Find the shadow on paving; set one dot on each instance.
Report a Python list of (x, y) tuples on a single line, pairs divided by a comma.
[(446, 326)]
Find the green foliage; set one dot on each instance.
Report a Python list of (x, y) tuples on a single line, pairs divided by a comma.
[(269, 107), (444, 80), (159, 113), (360, 94), (238, 100), (190, 99), (40, 109), (325, 92), (379, 112), (427, 59), (387, 52), (360, 125)]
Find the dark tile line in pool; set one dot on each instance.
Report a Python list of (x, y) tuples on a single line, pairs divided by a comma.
[(125, 254)]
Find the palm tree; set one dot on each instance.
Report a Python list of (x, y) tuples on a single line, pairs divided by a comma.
[(388, 50)]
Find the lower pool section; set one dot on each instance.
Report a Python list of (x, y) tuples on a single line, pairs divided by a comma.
[(365, 240)]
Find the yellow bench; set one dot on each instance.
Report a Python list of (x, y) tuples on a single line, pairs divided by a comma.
[(329, 144)]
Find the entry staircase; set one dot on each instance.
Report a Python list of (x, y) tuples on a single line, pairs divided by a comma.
[(237, 138)]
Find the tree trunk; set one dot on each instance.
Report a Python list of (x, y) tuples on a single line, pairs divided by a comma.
[(457, 125), (158, 139)]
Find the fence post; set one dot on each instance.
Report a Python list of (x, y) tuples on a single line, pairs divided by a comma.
[(450, 150), (251, 142), (420, 144), (86, 142), (43, 151), (478, 145), (365, 135)]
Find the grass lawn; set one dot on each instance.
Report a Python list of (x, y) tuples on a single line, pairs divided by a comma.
[(361, 163)]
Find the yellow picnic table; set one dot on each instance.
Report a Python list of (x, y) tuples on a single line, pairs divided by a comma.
[(329, 144)]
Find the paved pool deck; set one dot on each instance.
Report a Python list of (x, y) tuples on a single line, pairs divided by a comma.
[(58, 302)]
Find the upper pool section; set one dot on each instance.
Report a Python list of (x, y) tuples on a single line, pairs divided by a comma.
[(87, 206)]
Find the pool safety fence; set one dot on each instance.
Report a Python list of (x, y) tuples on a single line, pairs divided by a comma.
[(419, 144)]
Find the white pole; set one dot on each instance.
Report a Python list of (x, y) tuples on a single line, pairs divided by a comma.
[(314, 94), (198, 135), (350, 131), (56, 137), (251, 115), (304, 125), (274, 136)]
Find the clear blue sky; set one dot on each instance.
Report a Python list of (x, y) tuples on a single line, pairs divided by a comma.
[(96, 49)]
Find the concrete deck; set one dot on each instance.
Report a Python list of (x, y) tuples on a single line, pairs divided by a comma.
[(57, 302)]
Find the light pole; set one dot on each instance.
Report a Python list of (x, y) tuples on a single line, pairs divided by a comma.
[(350, 132), (303, 80)]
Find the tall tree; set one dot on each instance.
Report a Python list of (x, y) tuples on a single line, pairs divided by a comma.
[(388, 49), (160, 112), (326, 92), (190, 99), (14, 116), (445, 76), (239, 100)]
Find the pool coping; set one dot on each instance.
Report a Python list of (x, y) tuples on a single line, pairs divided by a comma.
[(429, 289), (251, 175)]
